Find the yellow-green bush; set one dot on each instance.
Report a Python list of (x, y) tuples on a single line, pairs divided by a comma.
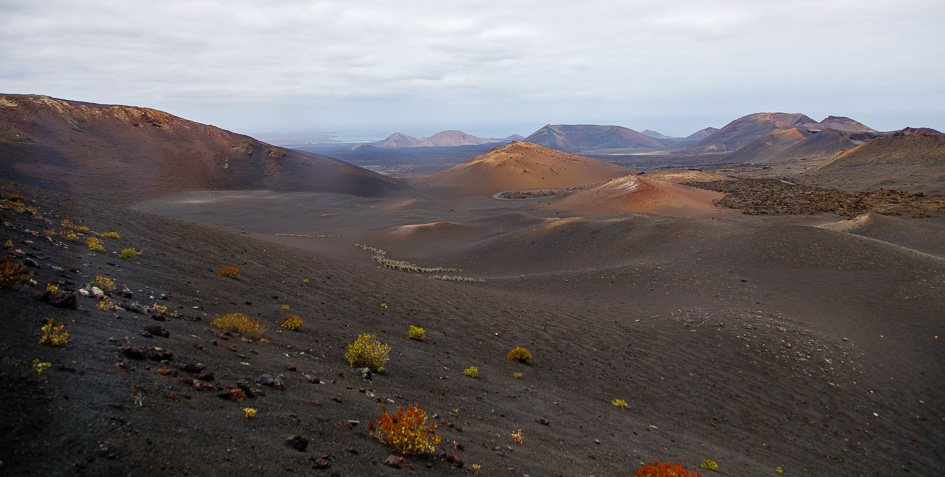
[(710, 465), (242, 324), (95, 244), (12, 274), (53, 334), (291, 323), (111, 235), (104, 283), (472, 372), (619, 403), (367, 352), (129, 253), (407, 432), (519, 354), (416, 333)]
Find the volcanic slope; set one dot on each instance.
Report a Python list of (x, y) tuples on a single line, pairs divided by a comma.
[(746, 129), (757, 344), (641, 194), (521, 165), (911, 160), (125, 153)]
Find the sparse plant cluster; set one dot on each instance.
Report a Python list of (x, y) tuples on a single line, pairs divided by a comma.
[(129, 253), (710, 465), (249, 413), (367, 352), (105, 284), (8, 244), (517, 375), (68, 225), (472, 372), (457, 278), (111, 235), (517, 437), (416, 333), (239, 323), (519, 354), (620, 403), (15, 203), (159, 309), (40, 367), (291, 323), (53, 334), (12, 274), (407, 432), (106, 304), (665, 470), (95, 244), (228, 272)]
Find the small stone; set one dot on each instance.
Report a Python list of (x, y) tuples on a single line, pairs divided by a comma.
[(29, 262), (320, 463), (394, 461), (290, 367), (125, 292), (84, 293), (265, 380), (297, 442), (194, 368), (97, 292), (157, 330), (205, 375), (133, 353)]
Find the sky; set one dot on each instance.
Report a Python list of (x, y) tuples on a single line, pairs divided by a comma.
[(361, 70)]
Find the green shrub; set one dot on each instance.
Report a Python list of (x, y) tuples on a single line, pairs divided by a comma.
[(95, 244), (367, 352), (53, 335), (710, 465), (619, 403), (416, 333), (519, 354), (472, 372), (111, 235), (129, 253), (291, 323), (105, 284)]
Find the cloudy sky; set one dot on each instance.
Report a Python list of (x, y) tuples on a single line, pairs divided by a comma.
[(365, 69)]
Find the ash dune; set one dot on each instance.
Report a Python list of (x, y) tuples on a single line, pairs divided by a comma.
[(126, 153), (520, 165), (643, 195)]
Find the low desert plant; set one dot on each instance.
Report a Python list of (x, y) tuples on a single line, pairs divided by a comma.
[(517, 375), (159, 309), (249, 412), (228, 272), (111, 235), (519, 354), (416, 333), (40, 367), (779, 470), (472, 372), (52, 289), (517, 436), (129, 253), (106, 304), (407, 432), (291, 323), (12, 274), (710, 465), (53, 334), (95, 244), (242, 324), (8, 244), (70, 236), (104, 283), (285, 307), (367, 352), (14, 197), (68, 225), (619, 403), (665, 470)]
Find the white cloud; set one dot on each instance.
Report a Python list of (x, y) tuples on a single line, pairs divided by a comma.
[(472, 61)]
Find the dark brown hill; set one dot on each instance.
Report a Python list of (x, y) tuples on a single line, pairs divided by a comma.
[(585, 137), (747, 129), (522, 165), (797, 144), (841, 123), (911, 160), (125, 153), (702, 134)]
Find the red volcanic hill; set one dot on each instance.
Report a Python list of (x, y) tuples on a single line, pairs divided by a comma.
[(576, 138), (126, 153), (521, 165), (841, 123), (640, 194), (911, 159), (746, 129)]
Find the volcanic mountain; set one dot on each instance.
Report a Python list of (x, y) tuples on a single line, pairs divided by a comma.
[(125, 153), (746, 129), (440, 139), (911, 159), (841, 123), (576, 138), (521, 165)]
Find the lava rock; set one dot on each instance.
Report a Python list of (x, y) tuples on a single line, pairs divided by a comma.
[(133, 353), (157, 330), (297, 442)]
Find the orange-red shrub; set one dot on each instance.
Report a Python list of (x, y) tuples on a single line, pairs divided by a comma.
[(665, 470)]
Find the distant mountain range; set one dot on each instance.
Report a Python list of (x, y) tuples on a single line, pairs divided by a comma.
[(441, 139)]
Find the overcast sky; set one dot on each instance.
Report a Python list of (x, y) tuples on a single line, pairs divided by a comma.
[(365, 69)]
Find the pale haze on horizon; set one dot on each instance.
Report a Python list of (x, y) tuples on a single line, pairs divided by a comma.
[(363, 70)]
